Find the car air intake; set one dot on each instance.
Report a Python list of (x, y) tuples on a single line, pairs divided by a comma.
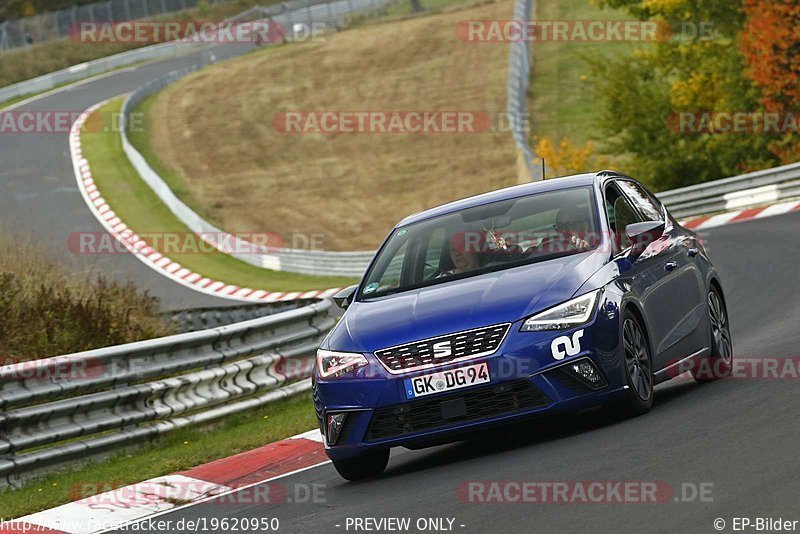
[(479, 403)]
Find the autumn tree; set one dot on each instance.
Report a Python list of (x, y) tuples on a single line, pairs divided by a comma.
[(771, 46), (687, 71)]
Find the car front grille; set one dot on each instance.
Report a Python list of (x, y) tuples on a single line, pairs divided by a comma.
[(479, 403), (443, 349)]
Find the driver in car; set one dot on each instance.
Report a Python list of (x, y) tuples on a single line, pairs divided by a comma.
[(465, 248)]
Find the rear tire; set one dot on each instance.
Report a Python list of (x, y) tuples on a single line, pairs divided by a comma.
[(720, 362), (368, 465), (638, 366)]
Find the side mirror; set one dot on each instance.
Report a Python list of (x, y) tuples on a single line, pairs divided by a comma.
[(344, 297), (643, 234)]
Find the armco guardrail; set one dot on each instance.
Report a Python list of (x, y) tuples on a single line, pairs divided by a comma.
[(746, 190), (194, 319), (71, 408), (92, 68)]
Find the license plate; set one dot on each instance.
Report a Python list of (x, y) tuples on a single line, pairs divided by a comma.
[(447, 380)]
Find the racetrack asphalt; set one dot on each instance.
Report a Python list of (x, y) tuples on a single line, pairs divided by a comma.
[(39, 194), (738, 437)]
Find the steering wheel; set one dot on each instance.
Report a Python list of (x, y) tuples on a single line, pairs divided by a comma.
[(437, 271), (556, 243)]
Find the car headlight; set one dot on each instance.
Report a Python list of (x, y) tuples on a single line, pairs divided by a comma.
[(567, 315), (334, 364)]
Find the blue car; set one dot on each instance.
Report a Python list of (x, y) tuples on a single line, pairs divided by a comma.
[(557, 296)]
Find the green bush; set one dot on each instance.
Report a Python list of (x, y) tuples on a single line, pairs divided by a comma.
[(47, 311)]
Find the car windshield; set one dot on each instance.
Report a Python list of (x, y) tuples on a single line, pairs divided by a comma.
[(485, 238)]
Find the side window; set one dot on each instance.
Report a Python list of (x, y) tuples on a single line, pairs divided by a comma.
[(620, 214), (642, 201)]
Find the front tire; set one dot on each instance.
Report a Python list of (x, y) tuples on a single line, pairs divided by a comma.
[(720, 362), (368, 465), (638, 366)]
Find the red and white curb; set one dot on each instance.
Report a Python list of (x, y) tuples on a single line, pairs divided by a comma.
[(224, 481), (713, 221), (147, 254)]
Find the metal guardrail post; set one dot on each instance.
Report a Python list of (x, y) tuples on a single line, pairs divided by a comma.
[(289, 25), (4, 36), (519, 65)]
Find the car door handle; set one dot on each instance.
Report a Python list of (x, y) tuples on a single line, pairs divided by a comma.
[(670, 266), (692, 252)]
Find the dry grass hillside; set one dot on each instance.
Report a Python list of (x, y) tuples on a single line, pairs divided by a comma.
[(215, 130)]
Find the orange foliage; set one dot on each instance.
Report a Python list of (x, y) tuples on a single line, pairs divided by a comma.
[(566, 157), (771, 47)]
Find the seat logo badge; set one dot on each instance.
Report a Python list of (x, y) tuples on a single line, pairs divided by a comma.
[(442, 349), (563, 346)]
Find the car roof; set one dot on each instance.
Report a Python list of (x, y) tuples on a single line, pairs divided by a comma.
[(516, 191)]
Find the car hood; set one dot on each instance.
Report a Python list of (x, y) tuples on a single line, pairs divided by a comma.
[(499, 297)]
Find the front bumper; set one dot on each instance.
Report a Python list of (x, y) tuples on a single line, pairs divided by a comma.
[(526, 381)]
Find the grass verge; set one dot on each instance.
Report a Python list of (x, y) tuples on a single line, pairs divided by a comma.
[(141, 209), (176, 451)]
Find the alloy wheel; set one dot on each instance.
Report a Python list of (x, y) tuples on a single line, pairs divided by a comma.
[(637, 359), (720, 327)]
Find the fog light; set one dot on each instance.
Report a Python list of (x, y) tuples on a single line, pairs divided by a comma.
[(334, 427), (585, 371)]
